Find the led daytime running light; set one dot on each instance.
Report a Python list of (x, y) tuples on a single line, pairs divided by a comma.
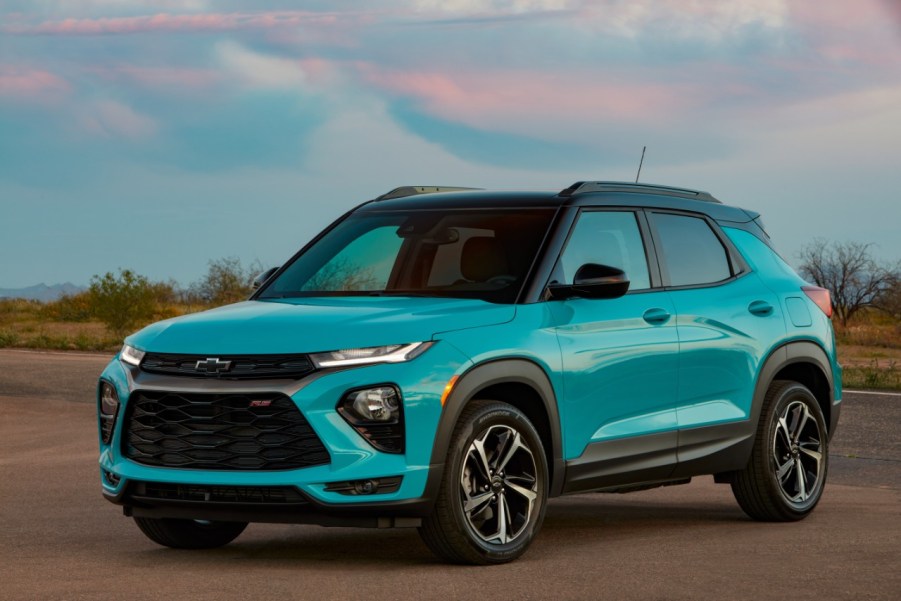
[(393, 353)]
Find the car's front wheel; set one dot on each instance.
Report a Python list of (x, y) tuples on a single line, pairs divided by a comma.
[(189, 534), (494, 489), (784, 479)]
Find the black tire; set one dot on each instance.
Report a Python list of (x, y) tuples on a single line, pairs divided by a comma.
[(478, 537), (785, 476), (189, 534)]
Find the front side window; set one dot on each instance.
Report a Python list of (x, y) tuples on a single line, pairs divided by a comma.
[(609, 238), (691, 251), (482, 254)]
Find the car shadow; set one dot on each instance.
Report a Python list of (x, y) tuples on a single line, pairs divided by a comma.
[(592, 518)]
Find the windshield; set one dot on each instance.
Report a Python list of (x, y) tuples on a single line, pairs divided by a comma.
[(469, 253)]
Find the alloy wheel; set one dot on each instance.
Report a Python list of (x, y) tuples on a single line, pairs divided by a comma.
[(797, 453), (498, 485)]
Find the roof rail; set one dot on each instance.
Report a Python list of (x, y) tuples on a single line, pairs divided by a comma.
[(583, 187), (415, 190)]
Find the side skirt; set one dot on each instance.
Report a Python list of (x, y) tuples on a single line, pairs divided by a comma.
[(641, 462), (622, 462)]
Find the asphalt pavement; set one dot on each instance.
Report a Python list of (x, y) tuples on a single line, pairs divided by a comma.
[(59, 539)]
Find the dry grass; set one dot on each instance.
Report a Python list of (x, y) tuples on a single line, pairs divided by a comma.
[(31, 324), (869, 349)]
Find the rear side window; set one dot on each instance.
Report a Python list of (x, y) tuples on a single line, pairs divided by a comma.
[(691, 251), (609, 238)]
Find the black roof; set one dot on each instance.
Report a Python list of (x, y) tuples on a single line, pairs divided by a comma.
[(579, 194)]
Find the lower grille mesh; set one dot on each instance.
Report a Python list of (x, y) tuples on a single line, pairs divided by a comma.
[(255, 495), (262, 431)]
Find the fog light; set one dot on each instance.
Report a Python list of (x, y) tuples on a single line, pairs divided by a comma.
[(375, 404), (107, 410), (376, 413), (366, 487)]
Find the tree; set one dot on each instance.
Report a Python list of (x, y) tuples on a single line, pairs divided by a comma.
[(122, 302), (889, 299), (852, 276), (226, 281)]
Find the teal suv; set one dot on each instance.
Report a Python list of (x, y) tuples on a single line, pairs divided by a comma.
[(450, 359)]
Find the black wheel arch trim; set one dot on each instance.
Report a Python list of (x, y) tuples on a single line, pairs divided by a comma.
[(785, 355), (508, 370)]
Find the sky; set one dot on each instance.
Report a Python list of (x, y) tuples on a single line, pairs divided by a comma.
[(156, 135)]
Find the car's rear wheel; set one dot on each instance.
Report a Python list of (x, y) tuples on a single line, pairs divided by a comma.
[(189, 534), (494, 488), (784, 479)]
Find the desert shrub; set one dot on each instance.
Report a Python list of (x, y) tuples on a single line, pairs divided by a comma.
[(8, 338), (122, 302), (74, 307)]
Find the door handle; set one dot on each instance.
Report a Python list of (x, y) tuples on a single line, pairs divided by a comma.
[(656, 316), (761, 308)]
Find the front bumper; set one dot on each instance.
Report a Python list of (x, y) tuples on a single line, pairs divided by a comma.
[(421, 382)]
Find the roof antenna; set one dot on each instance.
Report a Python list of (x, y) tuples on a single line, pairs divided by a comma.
[(643, 148)]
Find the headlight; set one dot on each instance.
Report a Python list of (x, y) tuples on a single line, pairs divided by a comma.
[(392, 353), (131, 355)]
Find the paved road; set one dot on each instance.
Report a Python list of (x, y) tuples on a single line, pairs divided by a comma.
[(60, 540)]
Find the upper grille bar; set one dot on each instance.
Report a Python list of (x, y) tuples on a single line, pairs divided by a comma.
[(235, 367)]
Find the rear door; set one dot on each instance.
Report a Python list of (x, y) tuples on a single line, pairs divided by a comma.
[(726, 320), (619, 358)]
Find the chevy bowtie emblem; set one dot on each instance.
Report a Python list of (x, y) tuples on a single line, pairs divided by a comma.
[(213, 365)]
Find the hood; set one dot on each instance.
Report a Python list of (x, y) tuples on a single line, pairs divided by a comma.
[(305, 325)]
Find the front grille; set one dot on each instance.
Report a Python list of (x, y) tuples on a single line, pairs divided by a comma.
[(235, 367), (256, 495), (262, 431)]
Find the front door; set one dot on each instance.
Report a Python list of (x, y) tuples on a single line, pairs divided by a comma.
[(620, 360)]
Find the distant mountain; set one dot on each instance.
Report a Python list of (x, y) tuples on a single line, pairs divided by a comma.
[(41, 292)]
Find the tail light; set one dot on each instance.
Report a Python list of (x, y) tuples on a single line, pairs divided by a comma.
[(820, 297)]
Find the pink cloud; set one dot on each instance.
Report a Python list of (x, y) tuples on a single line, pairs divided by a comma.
[(173, 22), (486, 98), (864, 32), (31, 84)]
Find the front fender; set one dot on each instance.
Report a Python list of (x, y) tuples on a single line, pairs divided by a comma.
[(490, 373)]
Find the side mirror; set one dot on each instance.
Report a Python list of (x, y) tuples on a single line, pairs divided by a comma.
[(261, 279), (593, 281)]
